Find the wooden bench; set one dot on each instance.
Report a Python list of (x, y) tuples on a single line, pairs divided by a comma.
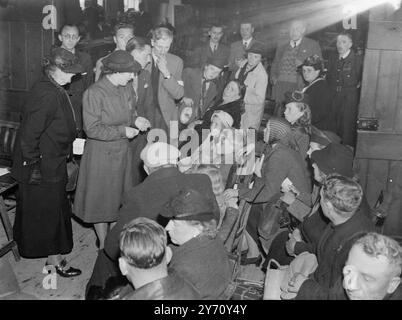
[(8, 133)]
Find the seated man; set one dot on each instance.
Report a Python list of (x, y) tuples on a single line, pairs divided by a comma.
[(372, 270), (164, 181), (144, 259), (340, 200)]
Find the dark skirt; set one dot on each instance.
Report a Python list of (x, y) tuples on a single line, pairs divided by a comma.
[(43, 220)]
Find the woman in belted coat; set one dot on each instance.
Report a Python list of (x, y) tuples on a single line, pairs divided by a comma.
[(43, 218), (109, 120)]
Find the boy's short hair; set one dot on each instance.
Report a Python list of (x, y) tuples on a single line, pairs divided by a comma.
[(343, 193), (143, 243), (161, 33)]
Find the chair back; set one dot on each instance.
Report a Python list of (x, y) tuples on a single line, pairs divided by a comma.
[(8, 134)]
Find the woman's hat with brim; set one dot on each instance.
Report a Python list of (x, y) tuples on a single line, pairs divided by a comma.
[(121, 61), (313, 61), (189, 204), (217, 62), (65, 61), (257, 47), (296, 96)]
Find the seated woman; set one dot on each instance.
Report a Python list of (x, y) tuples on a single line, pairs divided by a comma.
[(298, 114), (318, 92), (198, 254), (232, 103), (280, 160)]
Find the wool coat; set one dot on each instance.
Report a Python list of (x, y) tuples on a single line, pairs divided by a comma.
[(105, 169), (256, 83)]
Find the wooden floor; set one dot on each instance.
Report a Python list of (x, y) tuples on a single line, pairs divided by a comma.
[(30, 271)]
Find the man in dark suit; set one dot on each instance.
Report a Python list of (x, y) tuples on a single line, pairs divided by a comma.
[(146, 200), (344, 76), (69, 37), (212, 48), (200, 89)]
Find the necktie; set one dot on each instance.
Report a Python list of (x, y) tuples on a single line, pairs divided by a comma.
[(294, 44), (202, 97), (213, 47), (155, 79)]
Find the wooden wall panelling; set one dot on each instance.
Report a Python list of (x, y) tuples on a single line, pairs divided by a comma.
[(34, 52), (369, 83), (5, 71), (377, 175), (382, 35), (398, 108), (379, 145), (361, 168), (393, 222), (18, 56), (387, 89)]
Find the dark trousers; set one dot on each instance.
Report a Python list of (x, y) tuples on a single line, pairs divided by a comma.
[(345, 111)]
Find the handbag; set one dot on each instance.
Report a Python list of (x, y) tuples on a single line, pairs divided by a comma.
[(72, 174), (273, 280)]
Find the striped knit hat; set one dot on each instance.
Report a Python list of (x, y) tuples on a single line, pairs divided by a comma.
[(279, 130)]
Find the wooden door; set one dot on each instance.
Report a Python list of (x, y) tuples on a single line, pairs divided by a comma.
[(379, 153)]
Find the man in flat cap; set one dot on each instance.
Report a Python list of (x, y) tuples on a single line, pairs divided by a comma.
[(147, 199), (253, 75)]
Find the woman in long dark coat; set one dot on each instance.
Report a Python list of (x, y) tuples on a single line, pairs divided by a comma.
[(43, 219), (109, 120)]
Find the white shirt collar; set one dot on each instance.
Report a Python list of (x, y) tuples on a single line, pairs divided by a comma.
[(345, 55), (297, 42)]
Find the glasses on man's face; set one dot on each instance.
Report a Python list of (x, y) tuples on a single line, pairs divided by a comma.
[(70, 36)]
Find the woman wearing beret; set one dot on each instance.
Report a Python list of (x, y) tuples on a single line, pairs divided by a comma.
[(109, 121), (253, 75), (42, 225)]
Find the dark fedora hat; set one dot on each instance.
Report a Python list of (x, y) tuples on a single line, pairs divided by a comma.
[(334, 158), (121, 61), (217, 62), (257, 47), (64, 60), (189, 204)]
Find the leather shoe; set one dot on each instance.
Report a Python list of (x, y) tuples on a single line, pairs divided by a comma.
[(66, 273)]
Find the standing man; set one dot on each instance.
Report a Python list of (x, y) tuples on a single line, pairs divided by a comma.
[(166, 73), (344, 76), (288, 57), (238, 49), (69, 37), (213, 49), (122, 33)]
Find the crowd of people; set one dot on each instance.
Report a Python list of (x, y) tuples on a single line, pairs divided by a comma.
[(161, 145)]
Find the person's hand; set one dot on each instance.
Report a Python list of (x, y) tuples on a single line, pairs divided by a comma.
[(231, 193), (186, 114), (296, 282), (35, 176), (288, 197), (290, 245), (230, 200), (297, 235), (188, 102), (142, 123), (162, 66), (131, 132)]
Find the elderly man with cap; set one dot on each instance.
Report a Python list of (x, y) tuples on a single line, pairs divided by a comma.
[(147, 200), (253, 75), (109, 123), (198, 254), (42, 225)]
